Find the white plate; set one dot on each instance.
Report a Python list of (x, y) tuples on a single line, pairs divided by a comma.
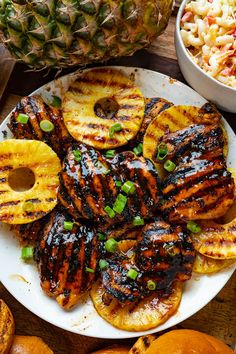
[(84, 319)]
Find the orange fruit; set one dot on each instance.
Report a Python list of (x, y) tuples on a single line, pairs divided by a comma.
[(186, 341), (115, 349)]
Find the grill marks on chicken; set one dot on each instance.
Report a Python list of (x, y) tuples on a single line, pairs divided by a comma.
[(116, 283), (165, 249), (62, 258), (90, 183), (164, 254), (37, 110), (200, 187)]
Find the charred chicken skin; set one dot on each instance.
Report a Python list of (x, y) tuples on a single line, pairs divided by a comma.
[(164, 254), (37, 110), (90, 184), (200, 187), (67, 259)]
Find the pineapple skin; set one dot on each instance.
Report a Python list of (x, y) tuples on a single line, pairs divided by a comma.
[(65, 33)]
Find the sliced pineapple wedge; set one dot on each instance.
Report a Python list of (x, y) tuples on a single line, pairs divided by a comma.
[(216, 240), (17, 157), (207, 265), (173, 119), (141, 316), (99, 99)]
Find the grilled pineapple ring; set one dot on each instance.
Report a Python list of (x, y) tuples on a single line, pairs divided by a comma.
[(97, 100), (216, 240), (207, 265), (21, 207), (141, 316), (173, 119)]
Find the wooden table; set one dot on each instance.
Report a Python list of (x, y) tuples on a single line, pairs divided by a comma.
[(218, 318)]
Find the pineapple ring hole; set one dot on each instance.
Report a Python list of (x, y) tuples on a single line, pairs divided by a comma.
[(106, 108), (21, 179)]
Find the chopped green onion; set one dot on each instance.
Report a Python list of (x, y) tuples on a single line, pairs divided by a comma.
[(118, 183), (107, 172), (138, 221), (120, 203), (103, 264), (117, 127), (132, 274), (28, 206), (89, 270), (162, 151), (170, 249), (110, 154), (46, 126), (22, 118), (151, 285), (110, 212), (77, 155), (111, 245), (101, 236), (55, 101), (128, 187), (169, 166), (193, 227), (138, 149), (68, 225), (27, 253)]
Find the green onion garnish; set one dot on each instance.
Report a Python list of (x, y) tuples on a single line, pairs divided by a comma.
[(162, 151), (151, 285), (118, 183), (193, 227), (103, 264), (55, 101), (169, 166), (22, 118), (77, 155), (28, 206), (170, 249), (68, 225), (46, 126), (89, 270), (101, 236), (107, 172), (110, 154), (117, 127), (128, 187), (138, 221), (120, 203), (138, 149), (27, 253), (110, 212), (132, 274), (111, 245)]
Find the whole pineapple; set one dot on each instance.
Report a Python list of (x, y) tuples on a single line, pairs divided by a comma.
[(63, 33)]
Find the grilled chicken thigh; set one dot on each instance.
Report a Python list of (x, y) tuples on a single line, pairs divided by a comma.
[(90, 183), (37, 110), (164, 254), (200, 187), (118, 285), (67, 260), (165, 249), (28, 234)]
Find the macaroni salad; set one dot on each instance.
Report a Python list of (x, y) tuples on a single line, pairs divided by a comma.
[(208, 30)]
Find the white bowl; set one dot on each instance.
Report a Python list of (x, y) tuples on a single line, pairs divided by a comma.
[(222, 95)]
